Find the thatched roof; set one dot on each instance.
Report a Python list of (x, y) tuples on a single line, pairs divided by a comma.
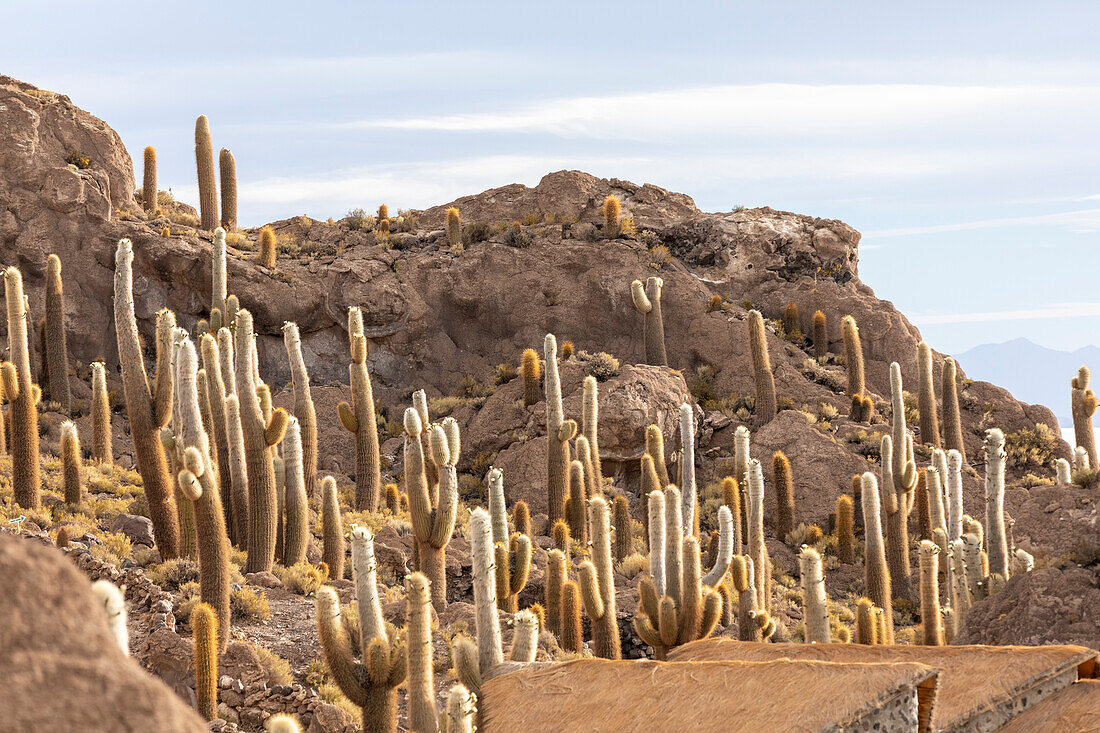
[(1075, 708), (601, 695), (973, 679)]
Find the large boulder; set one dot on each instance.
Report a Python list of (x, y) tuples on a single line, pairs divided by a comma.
[(63, 669)]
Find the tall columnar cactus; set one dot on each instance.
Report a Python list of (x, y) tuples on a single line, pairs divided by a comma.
[(432, 524), (237, 469), (359, 419), (70, 464), (23, 396), (268, 248), (757, 550), (612, 210), (559, 432), (576, 503), (219, 281), (204, 162), (571, 637), (784, 494), (876, 574), (260, 434), (149, 408), (554, 580), (215, 398), (976, 577), (149, 181), (995, 538), (658, 547), (303, 404), (204, 629), (845, 532), (931, 622), (295, 501), (731, 498), (899, 479), (598, 584), (372, 683), (198, 483), (531, 371), (227, 166), (454, 230), (688, 489), (114, 605), (766, 405), (853, 356), (954, 495), (952, 420), (926, 397), (332, 529), (512, 563), (624, 537), (101, 416), (814, 601), (497, 512), (647, 300), (741, 456), (471, 664), (1083, 407), (57, 349), (590, 426), (655, 449), (935, 476), (821, 334), (423, 716)]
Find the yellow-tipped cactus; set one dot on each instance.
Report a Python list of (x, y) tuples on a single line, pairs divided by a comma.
[(204, 628), (204, 162), (612, 211), (766, 405), (70, 464), (21, 394), (57, 349), (512, 566), (845, 531), (853, 356), (866, 624), (332, 529), (821, 334), (358, 418), (149, 181), (227, 166), (655, 449), (784, 494), (647, 300), (268, 250), (454, 230), (101, 416)]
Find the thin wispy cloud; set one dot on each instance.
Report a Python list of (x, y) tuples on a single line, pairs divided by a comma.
[(1054, 310), (1085, 220)]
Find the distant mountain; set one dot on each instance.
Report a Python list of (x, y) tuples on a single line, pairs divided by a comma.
[(1032, 373)]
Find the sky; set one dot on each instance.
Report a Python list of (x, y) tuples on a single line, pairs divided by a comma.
[(957, 137)]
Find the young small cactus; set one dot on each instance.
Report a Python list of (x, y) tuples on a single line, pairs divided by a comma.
[(283, 724), (359, 419), (792, 320), (571, 637), (531, 371), (845, 532), (423, 716), (332, 529), (866, 625), (876, 574), (204, 630), (525, 637), (931, 622), (148, 406), (70, 464), (647, 300), (204, 162), (747, 608), (784, 494), (561, 536), (612, 210), (559, 431), (952, 422), (996, 538), (821, 335), (114, 605), (227, 167), (454, 230), (853, 356), (814, 601), (149, 181), (432, 524), (766, 405), (268, 251), (926, 398), (458, 717), (598, 583), (1083, 407), (521, 518), (1062, 471), (57, 349)]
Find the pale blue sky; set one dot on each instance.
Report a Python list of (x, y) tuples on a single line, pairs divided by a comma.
[(957, 137)]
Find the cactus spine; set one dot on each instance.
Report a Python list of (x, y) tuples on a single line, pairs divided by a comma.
[(647, 300), (149, 181), (821, 335), (996, 540), (148, 408), (114, 604), (816, 608), (70, 464), (559, 432), (598, 584), (876, 574), (926, 396), (784, 494), (57, 349), (101, 416), (845, 532), (204, 628), (21, 393), (423, 716), (853, 356), (1083, 407), (260, 434), (930, 594), (952, 421), (359, 419), (303, 405), (761, 369), (432, 525), (204, 162), (227, 166)]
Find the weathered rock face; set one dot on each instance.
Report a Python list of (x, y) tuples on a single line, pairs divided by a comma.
[(54, 637)]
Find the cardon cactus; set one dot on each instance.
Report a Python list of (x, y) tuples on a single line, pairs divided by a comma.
[(741, 456), (575, 504), (688, 490), (149, 181), (268, 251), (497, 512), (215, 398), (821, 335), (954, 495), (432, 524), (753, 622), (655, 449), (454, 230), (472, 662), (931, 623), (219, 281), (814, 601), (612, 210), (624, 537), (876, 574), (101, 416), (23, 396), (57, 349), (784, 494), (70, 464), (238, 470), (204, 626), (952, 421), (845, 531), (853, 356), (571, 637), (926, 397), (512, 565), (295, 501), (1083, 407), (766, 404), (758, 551), (958, 587), (149, 408), (531, 371), (647, 300), (260, 434), (423, 716), (359, 419), (204, 162), (554, 580), (332, 529), (114, 605), (590, 426), (996, 540), (731, 497), (559, 432), (303, 404), (227, 167), (458, 717), (866, 626), (899, 479), (598, 583), (525, 636)]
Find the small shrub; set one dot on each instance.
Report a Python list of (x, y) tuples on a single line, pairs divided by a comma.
[(659, 257), (601, 365), (275, 667), (303, 578), (247, 604), (715, 304), (1032, 447), (505, 373), (809, 535), (78, 159), (634, 565), (171, 574)]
